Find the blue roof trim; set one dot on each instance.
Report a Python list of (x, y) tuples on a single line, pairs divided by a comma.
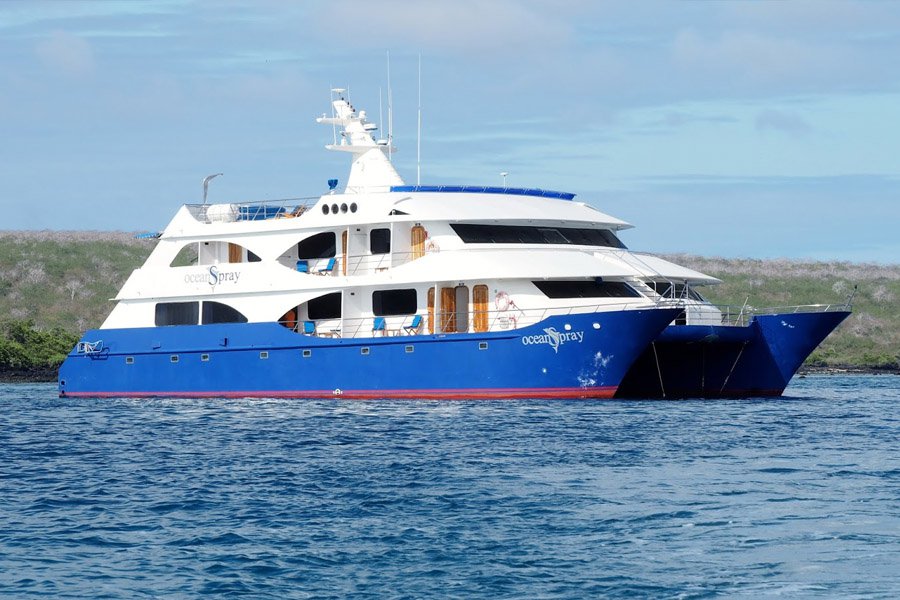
[(477, 189)]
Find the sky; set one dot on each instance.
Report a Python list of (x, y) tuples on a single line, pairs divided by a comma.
[(740, 129)]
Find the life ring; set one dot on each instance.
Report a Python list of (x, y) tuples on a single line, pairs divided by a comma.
[(502, 301), (432, 246)]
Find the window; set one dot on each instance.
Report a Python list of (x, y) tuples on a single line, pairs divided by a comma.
[(263, 355), (186, 256), (321, 245), (177, 313), (325, 307), (204, 357), (386, 303), (680, 291), (586, 289), (474, 233), (380, 241), (307, 353), (216, 312), (173, 358), (129, 360)]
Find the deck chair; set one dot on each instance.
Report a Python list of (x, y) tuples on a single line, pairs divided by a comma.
[(379, 326), (413, 328), (309, 328), (303, 266), (328, 268)]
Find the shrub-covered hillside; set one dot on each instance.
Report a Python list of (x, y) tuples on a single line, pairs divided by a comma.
[(53, 285), (869, 338)]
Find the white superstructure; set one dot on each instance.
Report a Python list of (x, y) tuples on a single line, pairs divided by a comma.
[(375, 259)]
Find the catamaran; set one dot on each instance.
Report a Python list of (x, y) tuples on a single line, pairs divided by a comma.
[(379, 290)]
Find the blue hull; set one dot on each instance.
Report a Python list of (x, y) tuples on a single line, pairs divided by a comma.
[(574, 356), (702, 361)]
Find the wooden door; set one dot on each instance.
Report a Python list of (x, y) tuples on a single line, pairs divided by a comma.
[(417, 237), (235, 253), (344, 252), (448, 309), (480, 300), (431, 310)]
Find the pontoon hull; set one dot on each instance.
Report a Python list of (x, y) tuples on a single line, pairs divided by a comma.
[(573, 356), (703, 361)]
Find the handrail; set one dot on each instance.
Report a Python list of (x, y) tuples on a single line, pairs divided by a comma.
[(513, 318), (741, 315), (256, 210)]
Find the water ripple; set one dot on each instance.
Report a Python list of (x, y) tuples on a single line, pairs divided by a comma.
[(122, 498)]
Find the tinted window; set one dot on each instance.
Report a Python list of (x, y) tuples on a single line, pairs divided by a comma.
[(177, 313), (325, 307), (216, 312), (394, 302), (679, 292), (321, 245), (473, 233), (380, 241), (586, 289)]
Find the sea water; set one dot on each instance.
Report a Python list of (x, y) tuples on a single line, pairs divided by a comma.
[(793, 497)]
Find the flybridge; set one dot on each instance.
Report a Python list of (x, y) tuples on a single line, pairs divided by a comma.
[(477, 189)]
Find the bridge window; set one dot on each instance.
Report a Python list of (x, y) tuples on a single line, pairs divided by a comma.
[(386, 303), (586, 289), (474, 233), (177, 313)]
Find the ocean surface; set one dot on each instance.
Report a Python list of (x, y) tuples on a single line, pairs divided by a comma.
[(792, 497)]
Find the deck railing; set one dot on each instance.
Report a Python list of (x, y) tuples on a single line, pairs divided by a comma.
[(448, 323), (739, 316), (252, 211)]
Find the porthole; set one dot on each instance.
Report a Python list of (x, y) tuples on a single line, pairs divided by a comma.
[(482, 345), (173, 358), (409, 349), (307, 353), (334, 208), (353, 207), (129, 360), (324, 209), (204, 357), (343, 208), (263, 355), (364, 351)]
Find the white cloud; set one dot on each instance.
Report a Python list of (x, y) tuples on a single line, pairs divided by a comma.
[(468, 27), (66, 53)]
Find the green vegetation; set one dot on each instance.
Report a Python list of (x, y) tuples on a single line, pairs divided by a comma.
[(54, 285), (868, 339)]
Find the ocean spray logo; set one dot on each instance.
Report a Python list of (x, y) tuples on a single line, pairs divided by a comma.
[(553, 338), (213, 276)]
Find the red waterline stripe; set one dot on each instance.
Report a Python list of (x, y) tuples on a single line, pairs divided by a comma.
[(432, 394)]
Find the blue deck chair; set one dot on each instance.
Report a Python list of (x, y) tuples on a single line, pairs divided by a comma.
[(309, 328), (303, 266), (328, 268), (413, 328), (378, 325)]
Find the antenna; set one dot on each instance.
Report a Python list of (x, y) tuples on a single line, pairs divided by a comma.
[(419, 130), (390, 110), (503, 175), (380, 111), (333, 125), (206, 181)]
